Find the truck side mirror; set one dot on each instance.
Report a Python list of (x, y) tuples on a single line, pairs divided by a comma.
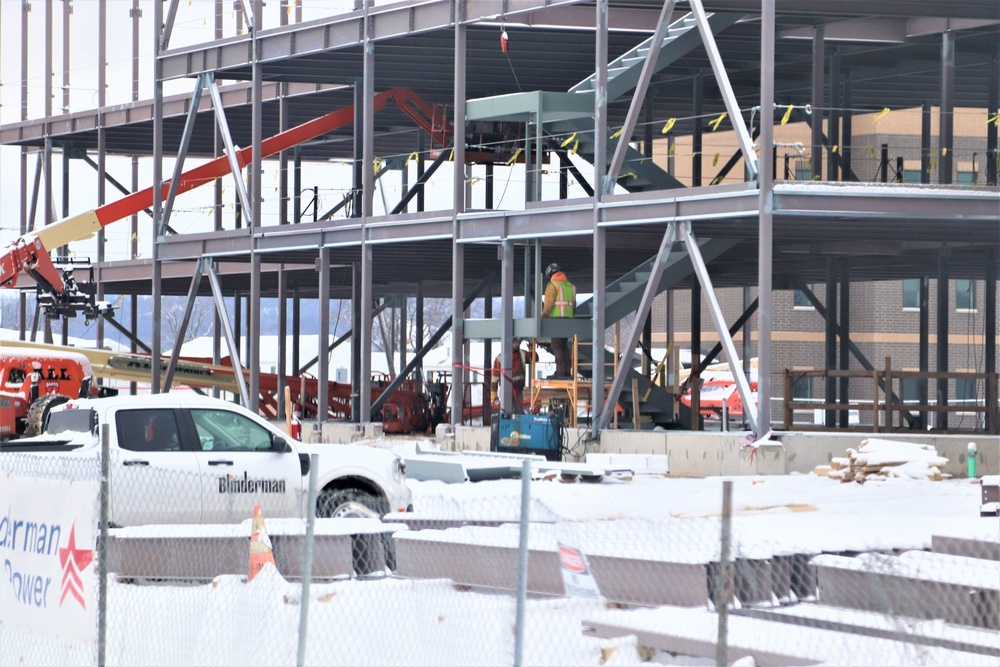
[(279, 444)]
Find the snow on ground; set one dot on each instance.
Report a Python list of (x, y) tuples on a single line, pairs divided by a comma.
[(400, 622)]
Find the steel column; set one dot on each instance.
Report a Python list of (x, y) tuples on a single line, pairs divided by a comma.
[(418, 318), (639, 94), (507, 318), (830, 392), (990, 334), (925, 143), (992, 109), (765, 250), (402, 329), (943, 299), (847, 129), (357, 342), (946, 129), (923, 344), (845, 350), (458, 249), (697, 362), (834, 114), (323, 364), (282, 341), (256, 195), (645, 305), (367, 198), (697, 96), (722, 78), (156, 342), (818, 102), (602, 184)]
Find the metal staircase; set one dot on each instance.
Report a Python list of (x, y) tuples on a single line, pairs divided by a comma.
[(638, 172), (623, 297)]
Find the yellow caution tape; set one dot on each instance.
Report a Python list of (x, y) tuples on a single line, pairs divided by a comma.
[(628, 174), (944, 150), (568, 140), (576, 146), (995, 120), (871, 151), (880, 115), (412, 157), (669, 125), (618, 133), (715, 160), (718, 121), (377, 164), (673, 149), (835, 149), (513, 157), (788, 115), (451, 155)]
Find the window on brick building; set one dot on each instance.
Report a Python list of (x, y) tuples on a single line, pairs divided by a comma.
[(910, 390), (965, 391), (965, 295), (800, 300), (911, 175), (911, 293), (802, 390), (967, 178)]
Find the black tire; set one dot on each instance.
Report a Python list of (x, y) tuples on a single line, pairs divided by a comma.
[(371, 553), (34, 421)]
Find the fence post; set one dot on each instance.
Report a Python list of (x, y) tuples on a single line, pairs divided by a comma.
[(888, 394), (522, 564), (875, 411), (307, 559), (723, 584), (102, 548), (788, 399)]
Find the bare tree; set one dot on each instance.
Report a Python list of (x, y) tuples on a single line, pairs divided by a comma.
[(200, 323)]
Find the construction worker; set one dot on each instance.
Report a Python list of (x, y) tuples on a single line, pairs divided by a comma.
[(517, 374), (36, 379), (560, 301)]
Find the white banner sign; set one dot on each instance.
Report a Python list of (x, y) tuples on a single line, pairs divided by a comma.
[(577, 579), (47, 559)]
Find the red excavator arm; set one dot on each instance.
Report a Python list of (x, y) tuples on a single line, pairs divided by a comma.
[(30, 253)]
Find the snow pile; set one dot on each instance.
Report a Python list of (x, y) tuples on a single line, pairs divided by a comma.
[(884, 459)]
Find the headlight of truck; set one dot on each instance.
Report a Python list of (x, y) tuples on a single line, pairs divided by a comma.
[(399, 470)]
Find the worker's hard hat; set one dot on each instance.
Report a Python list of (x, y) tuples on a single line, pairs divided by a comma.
[(551, 269)]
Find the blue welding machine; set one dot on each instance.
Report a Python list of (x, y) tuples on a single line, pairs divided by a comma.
[(527, 434)]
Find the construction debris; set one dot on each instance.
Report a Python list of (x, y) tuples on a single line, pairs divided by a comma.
[(876, 459)]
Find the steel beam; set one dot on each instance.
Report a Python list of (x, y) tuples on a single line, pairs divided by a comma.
[(227, 330), (645, 305), (830, 389), (728, 97), (845, 350), (227, 138), (157, 288), (990, 334), (740, 322), (742, 385)]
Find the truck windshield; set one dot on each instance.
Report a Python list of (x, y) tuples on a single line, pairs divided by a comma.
[(77, 421)]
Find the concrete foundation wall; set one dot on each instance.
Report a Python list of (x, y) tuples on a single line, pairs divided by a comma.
[(703, 454)]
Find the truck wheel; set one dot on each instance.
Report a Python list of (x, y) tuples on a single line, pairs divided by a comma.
[(34, 422), (367, 549)]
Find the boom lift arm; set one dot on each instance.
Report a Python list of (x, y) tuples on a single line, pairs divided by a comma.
[(30, 253)]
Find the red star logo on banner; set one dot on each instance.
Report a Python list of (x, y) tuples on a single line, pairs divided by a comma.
[(73, 562)]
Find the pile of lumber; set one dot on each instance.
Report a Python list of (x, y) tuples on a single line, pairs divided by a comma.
[(876, 459)]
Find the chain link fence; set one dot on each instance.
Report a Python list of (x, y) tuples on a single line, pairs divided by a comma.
[(463, 581)]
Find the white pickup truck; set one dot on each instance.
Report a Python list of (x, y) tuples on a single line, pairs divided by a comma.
[(185, 458)]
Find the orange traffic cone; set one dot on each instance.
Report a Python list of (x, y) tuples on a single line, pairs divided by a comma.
[(260, 545)]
